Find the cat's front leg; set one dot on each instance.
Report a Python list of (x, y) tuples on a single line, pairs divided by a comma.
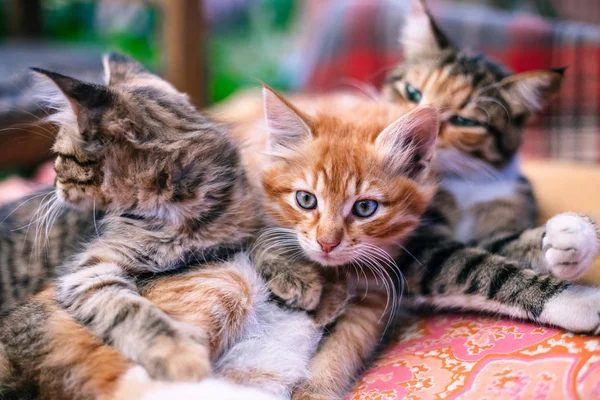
[(103, 298), (452, 276), (342, 354), (297, 282)]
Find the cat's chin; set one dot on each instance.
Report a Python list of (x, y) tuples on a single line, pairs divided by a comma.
[(328, 260)]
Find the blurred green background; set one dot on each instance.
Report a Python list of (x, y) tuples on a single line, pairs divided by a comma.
[(247, 39)]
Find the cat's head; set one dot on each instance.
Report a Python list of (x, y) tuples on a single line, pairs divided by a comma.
[(482, 106), (135, 144), (347, 184)]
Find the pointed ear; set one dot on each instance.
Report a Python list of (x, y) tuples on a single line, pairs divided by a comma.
[(529, 92), (287, 127), (421, 35), (408, 143), (120, 68), (81, 95)]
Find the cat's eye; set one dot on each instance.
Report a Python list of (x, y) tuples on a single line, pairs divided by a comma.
[(306, 200), (364, 208), (413, 94), (457, 120)]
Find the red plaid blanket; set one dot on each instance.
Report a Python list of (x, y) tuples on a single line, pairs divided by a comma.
[(357, 41)]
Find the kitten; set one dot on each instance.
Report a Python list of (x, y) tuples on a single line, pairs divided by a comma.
[(164, 280), (344, 180), (483, 197)]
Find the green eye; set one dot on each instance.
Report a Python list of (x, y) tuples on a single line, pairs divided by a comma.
[(457, 120), (413, 94), (364, 208), (306, 200)]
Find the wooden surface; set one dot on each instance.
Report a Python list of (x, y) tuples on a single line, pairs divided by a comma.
[(184, 39), (26, 146)]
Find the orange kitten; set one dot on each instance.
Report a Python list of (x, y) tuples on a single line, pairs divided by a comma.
[(345, 180)]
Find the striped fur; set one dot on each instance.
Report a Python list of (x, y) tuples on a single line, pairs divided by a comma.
[(36, 236), (47, 355), (162, 280), (170, 182), (483, 196)]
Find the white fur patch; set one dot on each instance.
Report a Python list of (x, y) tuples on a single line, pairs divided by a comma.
[(468, 193), (577, 309), (208, 389), (570, 245)]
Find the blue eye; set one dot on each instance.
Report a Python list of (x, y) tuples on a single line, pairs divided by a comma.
[(414, 95), (364, 208), (457, 120), (306, 200)]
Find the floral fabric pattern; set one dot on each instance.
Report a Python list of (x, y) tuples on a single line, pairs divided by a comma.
[(482, 358)]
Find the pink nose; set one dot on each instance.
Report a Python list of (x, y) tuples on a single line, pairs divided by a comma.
[(328, 244)]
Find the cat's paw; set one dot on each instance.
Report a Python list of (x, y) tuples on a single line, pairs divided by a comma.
[(569, 245), (176, 359), (300, 288), (576, 308)]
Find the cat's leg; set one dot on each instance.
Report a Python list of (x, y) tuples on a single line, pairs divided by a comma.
[(452, 276), (342, 354), (565, 246), (45, 350), (103, 297)]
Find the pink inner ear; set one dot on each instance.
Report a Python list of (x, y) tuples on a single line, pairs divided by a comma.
[(287, 128), (410, 139)]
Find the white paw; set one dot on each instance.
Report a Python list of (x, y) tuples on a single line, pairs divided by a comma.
[(576, 309), (570, 245), (207, 389)]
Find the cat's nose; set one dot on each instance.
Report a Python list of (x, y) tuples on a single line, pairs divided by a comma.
[(328, 244)]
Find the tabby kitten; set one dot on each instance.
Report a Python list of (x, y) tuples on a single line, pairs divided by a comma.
[(164, 280), (484, 198)]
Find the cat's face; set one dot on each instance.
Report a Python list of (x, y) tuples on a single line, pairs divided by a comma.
[(347, 190), (137, 145), (482, 105)]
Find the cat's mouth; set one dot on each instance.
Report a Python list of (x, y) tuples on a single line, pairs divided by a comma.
[(334, 258)]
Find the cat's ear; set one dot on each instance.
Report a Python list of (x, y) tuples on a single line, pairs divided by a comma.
[(84, 98), (120, 68), (421, 35), (287, 127), (529, 92), (408, 143)]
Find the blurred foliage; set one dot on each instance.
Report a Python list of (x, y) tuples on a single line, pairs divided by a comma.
[(77, 22), (247, 43), (251, 49)]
